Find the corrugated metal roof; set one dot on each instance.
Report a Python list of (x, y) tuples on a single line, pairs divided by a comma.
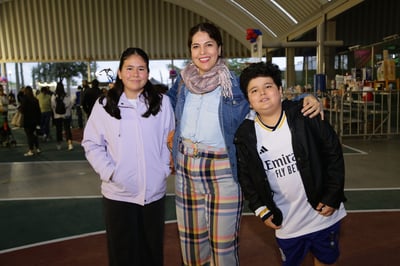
[(75, 30)]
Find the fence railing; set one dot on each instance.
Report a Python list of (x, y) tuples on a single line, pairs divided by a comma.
[(365, 114)]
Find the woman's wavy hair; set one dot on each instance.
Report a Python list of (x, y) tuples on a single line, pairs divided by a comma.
[(152, 97)]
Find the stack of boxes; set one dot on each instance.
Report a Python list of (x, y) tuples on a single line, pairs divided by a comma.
[(387, 68)]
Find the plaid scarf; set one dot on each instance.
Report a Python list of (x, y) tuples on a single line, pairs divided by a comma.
[(219, 75)]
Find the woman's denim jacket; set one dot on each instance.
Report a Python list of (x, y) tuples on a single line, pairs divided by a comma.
[(232, 111)]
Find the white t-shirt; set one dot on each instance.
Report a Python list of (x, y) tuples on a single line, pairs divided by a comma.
[(276, 151)]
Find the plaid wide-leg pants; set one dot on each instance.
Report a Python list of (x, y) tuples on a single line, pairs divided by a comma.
[(209, 205)]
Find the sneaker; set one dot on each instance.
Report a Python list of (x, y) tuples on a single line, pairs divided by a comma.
[(70, 147), (29, 153), (38, 151)]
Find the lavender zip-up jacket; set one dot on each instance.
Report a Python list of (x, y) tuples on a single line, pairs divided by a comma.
[(131, 154)]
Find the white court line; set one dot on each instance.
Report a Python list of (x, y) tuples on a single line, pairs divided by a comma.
[(63, 197), (358, 152), (47, 162), (372, 189), (52, 241), (52, 198), (57, 240), (372, 210), (168, 194)]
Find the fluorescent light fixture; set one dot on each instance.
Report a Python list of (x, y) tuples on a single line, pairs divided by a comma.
[(253, 17), (391, 37), (354, 47), (284, 11)]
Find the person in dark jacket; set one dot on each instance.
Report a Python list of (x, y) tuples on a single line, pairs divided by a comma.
[(291, 169), (78, 106), (30, 109), (89, 96)]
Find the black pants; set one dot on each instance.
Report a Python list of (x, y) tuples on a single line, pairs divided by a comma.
[(60, 124), (45, 123), (135, 234), (31, 136), (79, 115)]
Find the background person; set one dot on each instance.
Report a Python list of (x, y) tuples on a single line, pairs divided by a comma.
[(209, 107), (62, 121), (44, 98), (291, 170), (78, 106), (89, 96), (3, 103), (31, 112), (125, 141)]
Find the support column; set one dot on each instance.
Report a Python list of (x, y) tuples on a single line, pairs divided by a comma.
[(3, 69), (320, 48), (290, 75), (330, 51), (89, 75), (257, 49)]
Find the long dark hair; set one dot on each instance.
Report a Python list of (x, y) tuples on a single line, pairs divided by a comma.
[(212, 31), (153, 98), (28, 92), (60, 92)]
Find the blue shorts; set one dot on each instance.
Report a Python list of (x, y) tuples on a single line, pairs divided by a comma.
[(324, 245)]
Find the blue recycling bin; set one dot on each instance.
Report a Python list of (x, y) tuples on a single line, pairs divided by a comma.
[(319, 83)]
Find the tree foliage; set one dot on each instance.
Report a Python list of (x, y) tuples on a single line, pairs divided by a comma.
[(237, 65), (48, 72)]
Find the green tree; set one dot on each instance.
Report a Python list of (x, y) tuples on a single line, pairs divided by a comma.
[(237, 65), (48, 72)]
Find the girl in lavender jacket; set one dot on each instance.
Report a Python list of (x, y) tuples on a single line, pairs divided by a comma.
[(125, 141)]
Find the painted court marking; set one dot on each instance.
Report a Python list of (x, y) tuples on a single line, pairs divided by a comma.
[(355, 151)]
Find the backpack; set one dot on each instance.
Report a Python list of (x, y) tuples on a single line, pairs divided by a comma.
[(60, 105)]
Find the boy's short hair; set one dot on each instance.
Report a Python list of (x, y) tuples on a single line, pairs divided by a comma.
[(260, 69)]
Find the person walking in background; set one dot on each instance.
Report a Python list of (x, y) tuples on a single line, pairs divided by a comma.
[(30, 110), (125, 141), (78, 106), (11, 98), (89, 96), (61, 104), (291, 170), (85, 86), (20, 95), (209, 107), (3, 103), (44, 99)]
